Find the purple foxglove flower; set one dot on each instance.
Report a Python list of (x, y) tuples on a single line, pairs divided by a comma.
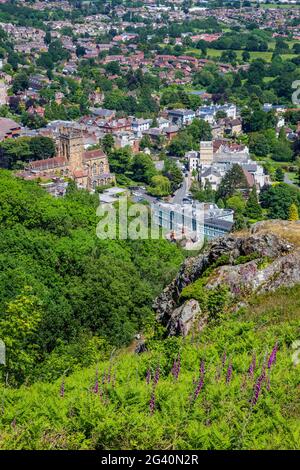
[(176, 367), (156, 377), (152, 403), (96, 386), (198, 388), (252, 366), (272, 358), (257, 388), (202, 368), (229, 373)]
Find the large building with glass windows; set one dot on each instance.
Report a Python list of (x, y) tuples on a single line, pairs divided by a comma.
[(197, 221)]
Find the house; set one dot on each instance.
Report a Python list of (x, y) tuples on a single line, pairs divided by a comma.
[(102, 113), (208, 113), (37, 82), (140, 125), (171, 132), (9, 129), (212, 175), (181, 117), (193, 159)]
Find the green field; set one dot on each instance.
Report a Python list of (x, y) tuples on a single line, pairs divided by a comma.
[(282, 5), (216, 54)]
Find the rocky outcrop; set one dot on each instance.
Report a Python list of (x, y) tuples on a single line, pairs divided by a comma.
[(185, 317), (256, 262)]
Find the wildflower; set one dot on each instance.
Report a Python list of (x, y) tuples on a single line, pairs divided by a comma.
[(202, 368), (229, 373), (62, 389), (152, 402), (176, 367), (156, 377), (257, 388), (252, 366), (96, 386), (13, 423), (148, 376), (272, 358), (198, 388)]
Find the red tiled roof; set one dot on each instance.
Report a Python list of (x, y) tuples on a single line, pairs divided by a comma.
[(249, 178), (79, 173), (90, 154), (48, 163)]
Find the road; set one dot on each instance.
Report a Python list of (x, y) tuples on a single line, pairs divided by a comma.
[(181, 192)]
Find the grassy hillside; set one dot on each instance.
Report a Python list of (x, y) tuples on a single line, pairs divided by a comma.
[(208, 401)]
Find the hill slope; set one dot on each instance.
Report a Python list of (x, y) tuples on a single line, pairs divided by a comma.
[(232, 385)]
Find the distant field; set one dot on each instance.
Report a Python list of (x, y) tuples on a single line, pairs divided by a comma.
[(281, 5), (254, 55)]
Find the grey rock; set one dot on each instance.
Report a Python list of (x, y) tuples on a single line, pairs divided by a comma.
[(283, 269)]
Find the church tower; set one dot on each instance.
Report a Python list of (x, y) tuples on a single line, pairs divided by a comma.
[(206, 152), (71, 148)]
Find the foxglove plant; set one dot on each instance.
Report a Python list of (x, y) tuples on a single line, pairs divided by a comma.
[(152, 402), (198, 388), (229, 373), (272, 358), (200, 382), (156, 377), (96, 386), (202, 368), (176, 367), (252, 366), (257, 388)]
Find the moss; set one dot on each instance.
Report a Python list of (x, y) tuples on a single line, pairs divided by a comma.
[(245, 259)]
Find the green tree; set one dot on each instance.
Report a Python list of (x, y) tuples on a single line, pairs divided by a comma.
[(233, 180), (143, 168), (253, 209), (18, 329), (160, 186), (107, 143), (293, 212), (279, 174)]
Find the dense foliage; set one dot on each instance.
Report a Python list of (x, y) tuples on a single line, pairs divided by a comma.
[(57, 275)]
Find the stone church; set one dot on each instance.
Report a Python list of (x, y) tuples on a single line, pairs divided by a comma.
[(88, 168)]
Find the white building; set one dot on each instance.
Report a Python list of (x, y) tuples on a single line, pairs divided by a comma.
[(193, 158), (140, 125)]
